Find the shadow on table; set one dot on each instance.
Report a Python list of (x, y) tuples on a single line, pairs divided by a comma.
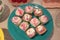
[(6, 35), (5, 14)]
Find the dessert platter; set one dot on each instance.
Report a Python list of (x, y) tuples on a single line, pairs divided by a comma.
[(30, 22)]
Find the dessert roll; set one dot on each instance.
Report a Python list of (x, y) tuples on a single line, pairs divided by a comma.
[(37, 12), (24, 26), (41, 29), (43, 19), (30, 32), (16, 20), (35, 22), (27, 17), (19, 12), (29, 9)]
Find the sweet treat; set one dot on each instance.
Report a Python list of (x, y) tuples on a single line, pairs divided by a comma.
[(16, 20), (41, 29), (43, 19), (18, 2), (19, 12), (30, 32), (24, 26), (28, 22), (29, 9), (13, 0), (27, 17), (37, 12), (35, 22), (24, 1)]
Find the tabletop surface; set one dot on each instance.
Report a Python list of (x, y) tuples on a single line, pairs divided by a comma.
[(54, 12)]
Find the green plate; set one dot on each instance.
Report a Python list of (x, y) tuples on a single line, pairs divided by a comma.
[(18, 34)]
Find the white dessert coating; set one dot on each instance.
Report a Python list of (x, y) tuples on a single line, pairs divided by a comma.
[(16, 20), (40, 27), (27, 17), (34, 22), (30, 31), (19, 12), (24, 25), (29, 9), (43, 18)]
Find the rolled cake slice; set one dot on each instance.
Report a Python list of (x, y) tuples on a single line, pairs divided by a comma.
[(19, 12), (24, 26), (30, 32), (41, 29), (16, 20), (27, 17), (35, 22), (29, 9), (43, 19), (37, 12)]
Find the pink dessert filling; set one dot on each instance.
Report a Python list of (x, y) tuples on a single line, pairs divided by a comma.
[(29, 9), (20, 12), (23, 26), (35, 21)]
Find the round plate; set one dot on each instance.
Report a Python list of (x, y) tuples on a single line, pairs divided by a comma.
[(1, 34), (18, 34)]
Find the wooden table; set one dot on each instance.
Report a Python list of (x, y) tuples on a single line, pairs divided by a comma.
[(54, 12)]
